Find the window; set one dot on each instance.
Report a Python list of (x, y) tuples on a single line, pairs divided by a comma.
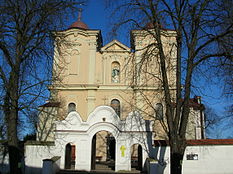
[(115, 104), (115, 72), (159, 111), (71, 107)]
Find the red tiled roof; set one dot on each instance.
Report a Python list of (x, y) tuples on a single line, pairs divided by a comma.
[(201, 142), (210, 142)]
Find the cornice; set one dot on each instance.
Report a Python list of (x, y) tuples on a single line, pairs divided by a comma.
[(103, 87)]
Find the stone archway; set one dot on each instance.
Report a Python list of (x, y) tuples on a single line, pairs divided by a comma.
[(103, 118), (103, 151)]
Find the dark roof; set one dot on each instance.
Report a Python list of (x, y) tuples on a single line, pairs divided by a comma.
[(201, 142), (36, 143), (193, 103), (51, 104), (150, 25)]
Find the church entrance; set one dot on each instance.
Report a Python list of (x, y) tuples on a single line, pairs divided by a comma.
[(103, 151), (70, 156), (136, 157)]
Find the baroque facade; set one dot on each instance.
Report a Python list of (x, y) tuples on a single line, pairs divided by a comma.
[(105, 105)]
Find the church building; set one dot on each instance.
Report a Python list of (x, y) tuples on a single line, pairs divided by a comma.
[(105, 107)]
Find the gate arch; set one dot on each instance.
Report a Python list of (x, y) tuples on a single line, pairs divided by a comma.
[(103, 151), (93, 131), (103, 126)]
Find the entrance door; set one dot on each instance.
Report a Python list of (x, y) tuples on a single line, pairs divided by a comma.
[(73, 156), (139, 157), (93, 152), (103, 151), (111, 148), (68, 157), (136, 156)]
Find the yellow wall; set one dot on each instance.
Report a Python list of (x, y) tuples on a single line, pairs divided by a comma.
[(82, 74), (85, 72)]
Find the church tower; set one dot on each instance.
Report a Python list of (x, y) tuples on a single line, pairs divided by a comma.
[(76, 54)]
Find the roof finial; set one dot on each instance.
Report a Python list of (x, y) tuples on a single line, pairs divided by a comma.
[(79, 24), (79, 13)]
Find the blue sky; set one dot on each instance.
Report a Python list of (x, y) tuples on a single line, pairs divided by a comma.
[(96, 16)]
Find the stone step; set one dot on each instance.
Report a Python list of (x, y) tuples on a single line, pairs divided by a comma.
[(102, 167), (106, 167), (98, 172)]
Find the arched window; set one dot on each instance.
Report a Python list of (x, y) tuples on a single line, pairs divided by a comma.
[(159, 111), (115, 72), (115, 104), (71, 107)]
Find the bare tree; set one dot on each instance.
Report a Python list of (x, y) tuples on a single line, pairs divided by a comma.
[(224, 68), (196, 25), (25, 48), (226, 65)]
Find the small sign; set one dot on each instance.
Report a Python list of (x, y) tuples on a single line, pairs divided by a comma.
[(192, 156)]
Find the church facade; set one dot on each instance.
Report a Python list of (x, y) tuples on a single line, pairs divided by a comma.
[(105, 106)]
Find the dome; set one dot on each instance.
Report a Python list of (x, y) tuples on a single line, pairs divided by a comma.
[(150, 25), (79, 24)]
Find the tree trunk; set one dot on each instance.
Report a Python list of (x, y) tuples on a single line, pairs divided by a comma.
[(11, 116), (176, 162), (177, 149), (15, 160), (13, 146)]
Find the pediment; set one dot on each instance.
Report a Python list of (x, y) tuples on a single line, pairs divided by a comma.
[(115, 46)]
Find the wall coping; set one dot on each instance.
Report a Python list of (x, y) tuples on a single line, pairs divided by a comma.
[(202, 142), (40, 143)]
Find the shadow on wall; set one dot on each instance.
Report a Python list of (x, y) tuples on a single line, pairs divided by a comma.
[(45, 170), (5, 159), (50, 166), (156, 153), (4, 168), (32, 170)]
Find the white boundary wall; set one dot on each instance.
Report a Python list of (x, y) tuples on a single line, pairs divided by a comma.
[(207, 159), (34, 155)]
